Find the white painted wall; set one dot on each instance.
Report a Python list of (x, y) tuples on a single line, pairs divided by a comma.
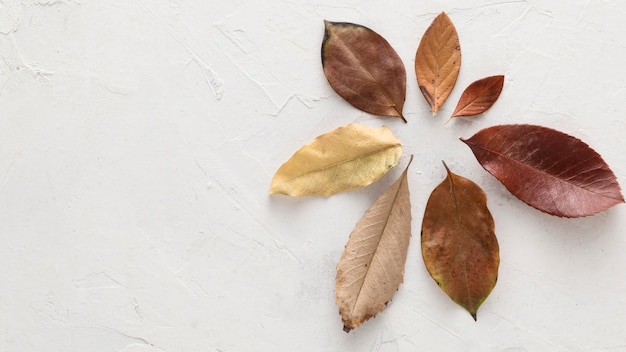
[(138, 140)]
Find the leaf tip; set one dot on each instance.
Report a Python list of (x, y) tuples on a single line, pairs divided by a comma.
[(448, 120), (473, 315), (403, 118), (347, 329), (273, 190)]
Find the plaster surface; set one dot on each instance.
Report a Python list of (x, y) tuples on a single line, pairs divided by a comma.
[(138, 140)]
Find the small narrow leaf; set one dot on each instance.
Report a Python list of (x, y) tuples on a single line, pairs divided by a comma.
[(459, 246), (344, 159), (547, 169), (364, 69), (479, 96), (438, 61), (372, 265)]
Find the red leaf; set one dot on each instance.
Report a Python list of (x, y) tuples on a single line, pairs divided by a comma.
[(479, 96), (547, 169), (364, 69)]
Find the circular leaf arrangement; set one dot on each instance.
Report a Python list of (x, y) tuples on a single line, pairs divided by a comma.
[(549, 170)]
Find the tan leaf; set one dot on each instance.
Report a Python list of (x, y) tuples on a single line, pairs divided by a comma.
[(372, 265), (438, 61), (479, 96), (459, 246), (364, 69), (344, 159)]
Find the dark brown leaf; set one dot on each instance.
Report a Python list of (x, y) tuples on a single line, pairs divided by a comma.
[(479, 96), (549, 170), (364, 69), (372, 265), (438, 61), (459, 246)]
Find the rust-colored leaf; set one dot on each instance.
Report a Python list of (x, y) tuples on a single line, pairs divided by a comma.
[(364, 69), (438, 61), (479, 96), (547, 169), (459, 246), (372, 265)]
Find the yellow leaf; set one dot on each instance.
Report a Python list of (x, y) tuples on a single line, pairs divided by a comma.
[(344, 159), (372, 265)]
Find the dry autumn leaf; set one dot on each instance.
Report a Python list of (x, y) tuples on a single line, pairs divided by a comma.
[(344, 159), (438, 61), (372, 265), (547, 169), (479, 96), (459, 246), (364, 69)]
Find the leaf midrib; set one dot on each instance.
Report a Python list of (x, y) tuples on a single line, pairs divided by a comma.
[(364, 69), (458, 229), (361, 156), (369, 264), (541, 171)]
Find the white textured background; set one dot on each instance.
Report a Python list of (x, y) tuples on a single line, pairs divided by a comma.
[(138, 140)]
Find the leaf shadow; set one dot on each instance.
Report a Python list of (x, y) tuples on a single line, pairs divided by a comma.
[(571, 232), (463, 124), (293, 213), (304, 217), (573, 235)]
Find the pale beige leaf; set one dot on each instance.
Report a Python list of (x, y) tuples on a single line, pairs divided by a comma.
[(344, 159), (372, 265)]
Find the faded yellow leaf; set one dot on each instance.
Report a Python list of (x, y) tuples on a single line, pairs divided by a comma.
[(344, 159), (372, 265)]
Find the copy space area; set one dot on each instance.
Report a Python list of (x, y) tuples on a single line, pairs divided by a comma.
[(138, 140)]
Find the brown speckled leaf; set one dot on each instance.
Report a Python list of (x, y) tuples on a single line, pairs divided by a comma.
[(459, 246), (364, 69), (547, 169), (438, 61), (372, 265), (479, 96)]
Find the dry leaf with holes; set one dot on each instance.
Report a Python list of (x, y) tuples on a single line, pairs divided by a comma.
[(372, 265), (438, 61), (364, 69), (547, 169), (479, 96), (344, 159), (459, 245)]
